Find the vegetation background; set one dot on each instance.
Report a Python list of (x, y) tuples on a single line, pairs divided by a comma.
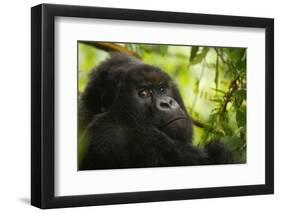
[(212, 82)]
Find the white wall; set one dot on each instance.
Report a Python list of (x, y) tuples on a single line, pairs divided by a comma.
[(15, 106)]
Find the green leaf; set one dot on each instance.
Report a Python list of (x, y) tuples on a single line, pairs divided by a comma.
[(163, 49), (241, 117), (234, 141), (217, 72), (196, 87), (235, 54), (146, 48), (240, 95), (199, 57), (193, 53), (241, 64), (218, 90), (216, 100)]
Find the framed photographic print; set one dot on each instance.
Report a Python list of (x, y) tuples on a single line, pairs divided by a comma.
[(139, 106)]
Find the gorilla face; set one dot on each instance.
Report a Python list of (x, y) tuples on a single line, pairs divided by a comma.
[(147, 94)]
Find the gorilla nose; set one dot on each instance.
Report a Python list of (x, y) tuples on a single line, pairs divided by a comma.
[(167, 103)]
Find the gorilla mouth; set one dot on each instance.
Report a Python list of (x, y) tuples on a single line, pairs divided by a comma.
[(172, 121)]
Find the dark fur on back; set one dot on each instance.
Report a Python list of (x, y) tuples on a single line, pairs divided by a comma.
[(101, 88)]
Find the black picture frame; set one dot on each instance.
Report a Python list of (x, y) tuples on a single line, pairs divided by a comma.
[(43, 102)]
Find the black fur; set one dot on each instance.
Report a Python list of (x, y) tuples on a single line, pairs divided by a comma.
[(126, 130)]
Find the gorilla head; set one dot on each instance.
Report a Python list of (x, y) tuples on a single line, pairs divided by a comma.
[(140, 91), (149, 96), (134, 116)]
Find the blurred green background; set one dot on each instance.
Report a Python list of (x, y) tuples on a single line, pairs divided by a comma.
[(212, 82)]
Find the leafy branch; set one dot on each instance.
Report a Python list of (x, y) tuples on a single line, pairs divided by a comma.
[(234, 84), (228, 95), (111, 47), (233, 61)]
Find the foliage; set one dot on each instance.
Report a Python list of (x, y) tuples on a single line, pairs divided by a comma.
[(212, 82)]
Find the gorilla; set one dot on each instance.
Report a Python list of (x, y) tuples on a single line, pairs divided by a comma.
[(132, 116)]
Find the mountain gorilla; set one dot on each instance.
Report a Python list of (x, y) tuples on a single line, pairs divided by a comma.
[(134, 116)]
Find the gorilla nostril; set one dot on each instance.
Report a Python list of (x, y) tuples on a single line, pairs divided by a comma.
[(171, 102), (164, 105)]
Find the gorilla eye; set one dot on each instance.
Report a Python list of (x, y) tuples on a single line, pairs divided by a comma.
[(162, 90), (144, 93)]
